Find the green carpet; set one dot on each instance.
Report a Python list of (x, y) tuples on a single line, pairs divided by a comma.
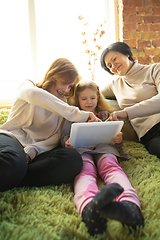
[(49, 213)]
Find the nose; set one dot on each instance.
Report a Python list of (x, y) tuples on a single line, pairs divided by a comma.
[(114, 65), (88, 100), (66, 89)]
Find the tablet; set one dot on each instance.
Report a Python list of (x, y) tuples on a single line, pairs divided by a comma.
[(91, 134)]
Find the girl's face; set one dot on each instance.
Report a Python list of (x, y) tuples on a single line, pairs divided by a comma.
[(118, 63), (88, 100), (59, 89)]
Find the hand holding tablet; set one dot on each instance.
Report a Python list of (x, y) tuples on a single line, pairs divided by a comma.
[(94, 133)]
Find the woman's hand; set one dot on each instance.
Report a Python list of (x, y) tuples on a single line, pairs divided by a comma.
[(28, 158), (118, 115), (118, 138), (68, 145), (93, 118)]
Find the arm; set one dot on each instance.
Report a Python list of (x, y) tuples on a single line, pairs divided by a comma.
[(118, 115), (150, 105), (65, 132), (118, 140), (144, 108), (30, 93)]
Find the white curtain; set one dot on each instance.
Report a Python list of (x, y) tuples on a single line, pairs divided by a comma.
[(36, 32)]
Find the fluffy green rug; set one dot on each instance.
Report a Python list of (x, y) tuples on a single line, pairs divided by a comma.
[(49, 213)]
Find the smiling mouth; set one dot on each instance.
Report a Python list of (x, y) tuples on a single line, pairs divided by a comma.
[(61, 94), (118, 67), (88, 106)]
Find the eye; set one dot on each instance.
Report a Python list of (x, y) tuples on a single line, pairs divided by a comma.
[(71, 86)]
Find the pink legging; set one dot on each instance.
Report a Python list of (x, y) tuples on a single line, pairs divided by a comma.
[(85, 184)]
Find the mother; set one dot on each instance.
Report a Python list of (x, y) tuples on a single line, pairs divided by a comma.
[(137, 90), (29, 141)]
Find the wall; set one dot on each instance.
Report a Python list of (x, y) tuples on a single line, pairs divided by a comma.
[(139, 27)]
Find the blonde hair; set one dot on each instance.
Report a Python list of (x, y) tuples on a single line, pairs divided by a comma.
[(102, 104), (63, 71)]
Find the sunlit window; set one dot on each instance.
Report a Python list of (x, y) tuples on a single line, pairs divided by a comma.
[(36, 32)]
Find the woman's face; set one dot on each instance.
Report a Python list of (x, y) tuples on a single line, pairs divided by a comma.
[(118, 63), (59, 89)]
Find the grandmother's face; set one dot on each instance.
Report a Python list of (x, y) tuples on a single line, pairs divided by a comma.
[(118, 63)]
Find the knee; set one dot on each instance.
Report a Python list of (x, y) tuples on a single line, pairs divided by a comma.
[(12, 170), (89, 167), (108, 161), (153, 148), (75, 160)]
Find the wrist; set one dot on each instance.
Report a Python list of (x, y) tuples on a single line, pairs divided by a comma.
[(126, 113)]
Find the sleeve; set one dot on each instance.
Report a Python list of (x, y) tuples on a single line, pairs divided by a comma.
[(38, 147), (65, 132), (30, 93), (150, 106), (104, 115)]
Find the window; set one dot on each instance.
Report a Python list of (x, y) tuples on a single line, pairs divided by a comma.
[(35, 32)]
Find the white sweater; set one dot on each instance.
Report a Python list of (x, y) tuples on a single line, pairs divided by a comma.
[(36, 119), (138, 92)]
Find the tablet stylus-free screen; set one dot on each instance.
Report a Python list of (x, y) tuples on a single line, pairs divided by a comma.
[(92, 134)]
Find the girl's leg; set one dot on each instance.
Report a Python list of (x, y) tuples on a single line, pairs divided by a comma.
[(13, 163), (57, 166), (87, 197), (125, 207), (85, 189), (110, 172), (85, 184)]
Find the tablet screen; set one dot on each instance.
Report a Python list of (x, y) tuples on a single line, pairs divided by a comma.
[(91, 134)]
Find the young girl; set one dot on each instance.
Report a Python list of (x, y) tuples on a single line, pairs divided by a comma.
[(33, 129), (117, 199)]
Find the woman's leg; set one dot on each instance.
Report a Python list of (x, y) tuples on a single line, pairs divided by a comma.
[(153, 146), (151, 140), (13, 163), (125, 207), (57, 166)]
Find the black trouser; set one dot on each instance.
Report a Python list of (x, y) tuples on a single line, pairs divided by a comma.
[(57, 166), (151, 140)]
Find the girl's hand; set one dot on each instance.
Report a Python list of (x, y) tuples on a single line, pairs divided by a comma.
[(93, 118), (68, 145), (118, 138), (28, 158), (118, 115)]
